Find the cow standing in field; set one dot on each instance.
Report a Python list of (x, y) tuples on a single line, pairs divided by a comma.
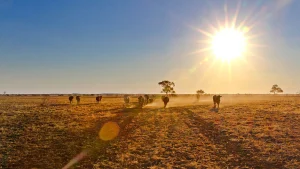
[(141, 101), (126, 99), (216, 99), (198, 97), (71, 99), (150, 100), (98, 99), (165, 99), (78, 99), (146, 98)]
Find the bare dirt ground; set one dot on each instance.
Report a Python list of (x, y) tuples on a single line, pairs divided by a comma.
[(247, 132)]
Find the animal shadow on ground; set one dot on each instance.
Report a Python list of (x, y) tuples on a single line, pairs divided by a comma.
[(216, 110), (222, 139), (57, 105), (86, 104), (73, 104)]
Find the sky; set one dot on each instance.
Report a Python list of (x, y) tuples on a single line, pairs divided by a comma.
[(116, 46)]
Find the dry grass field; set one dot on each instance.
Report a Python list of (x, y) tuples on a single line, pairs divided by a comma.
[(247, 132)]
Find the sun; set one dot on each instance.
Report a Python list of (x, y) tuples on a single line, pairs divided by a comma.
[(228, 44), (232, 39)]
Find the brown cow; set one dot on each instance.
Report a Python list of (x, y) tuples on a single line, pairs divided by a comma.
[(216, 99), (126, 99), (141, 101), (165, 99), (71, 99), (98, 99), (78, 99)]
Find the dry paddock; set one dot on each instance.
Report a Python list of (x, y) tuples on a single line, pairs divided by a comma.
[(249, 131)]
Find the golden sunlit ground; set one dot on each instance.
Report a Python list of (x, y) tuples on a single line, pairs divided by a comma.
[(249, 131)]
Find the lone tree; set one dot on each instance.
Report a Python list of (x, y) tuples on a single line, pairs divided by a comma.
[(167, 87), (276, 89), (199, 92)]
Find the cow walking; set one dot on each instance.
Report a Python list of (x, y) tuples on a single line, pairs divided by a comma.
[(150, 100), (141, 101), (78, 99), (98, 99), (198, 97), (146, 98), (216, 99), (165, 99), (71, 99), (126, 99)]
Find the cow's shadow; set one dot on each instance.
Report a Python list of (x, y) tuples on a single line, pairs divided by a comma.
[(214, 109)]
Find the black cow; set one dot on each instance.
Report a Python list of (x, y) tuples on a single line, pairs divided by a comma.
[(216, 99), (98, 99), (78, 99), (71, 99), (165, 99), (141, 101)]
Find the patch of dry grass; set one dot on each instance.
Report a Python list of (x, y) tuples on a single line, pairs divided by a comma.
[(248, 131)]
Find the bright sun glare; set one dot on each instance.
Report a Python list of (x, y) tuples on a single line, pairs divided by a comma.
[(229, 40), (228, 44)]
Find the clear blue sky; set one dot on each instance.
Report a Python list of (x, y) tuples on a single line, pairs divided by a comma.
[(96, 46)]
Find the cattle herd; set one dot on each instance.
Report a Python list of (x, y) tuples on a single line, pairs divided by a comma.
[(144, 100), (77, 99)]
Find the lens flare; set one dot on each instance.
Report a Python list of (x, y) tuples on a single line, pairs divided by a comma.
[(76, 159), (109, 131)]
